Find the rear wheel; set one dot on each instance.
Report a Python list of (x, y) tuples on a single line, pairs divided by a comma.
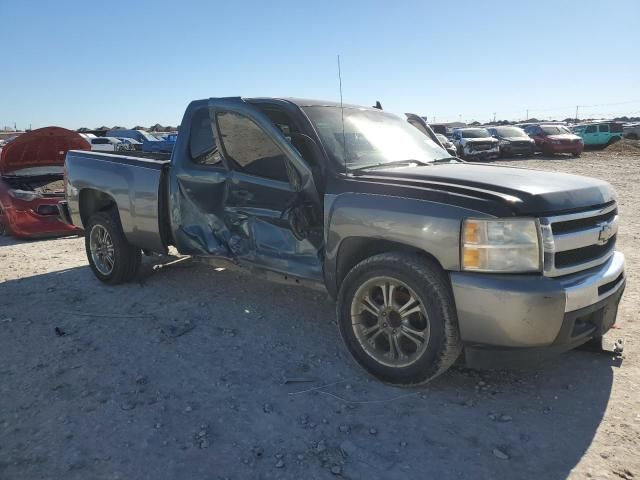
[(112, 259), (397, 317)]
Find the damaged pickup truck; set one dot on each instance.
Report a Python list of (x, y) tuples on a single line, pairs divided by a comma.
[(427, 256)]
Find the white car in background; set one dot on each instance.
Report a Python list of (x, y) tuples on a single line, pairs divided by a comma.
[(130, 143), (107, 144), (475, 143)]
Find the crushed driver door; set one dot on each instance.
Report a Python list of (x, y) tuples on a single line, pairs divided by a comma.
[(271, 202)]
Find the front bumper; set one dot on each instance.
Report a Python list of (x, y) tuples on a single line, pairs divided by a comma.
[(525, 314), (30, 224), (564, 148), (511, 149), (481, 154)]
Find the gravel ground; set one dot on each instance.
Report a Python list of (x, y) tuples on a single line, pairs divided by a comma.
[(199, 373)]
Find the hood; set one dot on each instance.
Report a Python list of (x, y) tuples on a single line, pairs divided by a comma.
[(523, 191), (564, 136), (44, 147), (480, 140), (517, 139)]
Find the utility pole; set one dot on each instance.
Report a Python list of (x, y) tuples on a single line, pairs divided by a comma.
[(494, 117), (577, 113), (527, 114)]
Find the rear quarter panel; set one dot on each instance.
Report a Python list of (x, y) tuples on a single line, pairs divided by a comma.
[(132, 183)]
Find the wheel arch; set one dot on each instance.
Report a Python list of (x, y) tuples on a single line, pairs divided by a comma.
[(353, 250), (92, 201)]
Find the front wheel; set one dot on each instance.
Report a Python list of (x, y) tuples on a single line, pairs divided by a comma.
[(397, 317), (112, 259)]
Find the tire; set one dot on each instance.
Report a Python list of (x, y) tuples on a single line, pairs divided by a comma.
[(126, 258), (415, 277)]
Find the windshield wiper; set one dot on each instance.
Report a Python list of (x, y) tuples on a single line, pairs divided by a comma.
[(447, 160), (388, 164)]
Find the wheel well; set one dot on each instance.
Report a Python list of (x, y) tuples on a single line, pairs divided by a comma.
[(92, 201), (353, 250)]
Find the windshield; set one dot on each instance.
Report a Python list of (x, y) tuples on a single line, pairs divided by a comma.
[(510, 132), (148, 137), (475, 133), (554, 129), (371, 137)]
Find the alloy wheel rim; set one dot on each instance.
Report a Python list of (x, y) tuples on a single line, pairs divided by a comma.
[(102, 250), (390, 322)]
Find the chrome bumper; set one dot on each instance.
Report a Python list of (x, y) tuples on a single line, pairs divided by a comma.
[(588, 288), (528, 310)]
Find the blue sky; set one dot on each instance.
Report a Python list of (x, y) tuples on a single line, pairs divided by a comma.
[(74, 64)]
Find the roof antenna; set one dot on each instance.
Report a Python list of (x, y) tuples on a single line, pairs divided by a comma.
[(378, 105), (344, 138)]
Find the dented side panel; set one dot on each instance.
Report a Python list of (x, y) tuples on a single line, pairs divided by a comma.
[(217, 211)]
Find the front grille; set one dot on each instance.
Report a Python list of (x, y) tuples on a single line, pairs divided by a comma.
[(579, 241), (583, 223), (480, 146), (584, 254)]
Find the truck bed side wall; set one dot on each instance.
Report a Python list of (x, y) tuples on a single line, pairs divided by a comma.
[(133, 184)]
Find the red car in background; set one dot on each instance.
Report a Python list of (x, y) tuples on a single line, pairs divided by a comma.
[(31, 182), (551, 139)]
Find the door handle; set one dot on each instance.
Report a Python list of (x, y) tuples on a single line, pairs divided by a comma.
[(244, 194)]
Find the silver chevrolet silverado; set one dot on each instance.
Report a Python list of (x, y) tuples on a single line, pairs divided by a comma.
[(428, 257)]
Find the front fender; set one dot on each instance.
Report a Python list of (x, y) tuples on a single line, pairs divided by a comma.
[(423, 225)]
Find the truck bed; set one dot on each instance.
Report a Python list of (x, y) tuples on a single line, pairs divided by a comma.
[(132, 183)]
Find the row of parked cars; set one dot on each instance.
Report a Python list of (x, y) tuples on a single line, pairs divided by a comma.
[(120, 140), (486, 143)]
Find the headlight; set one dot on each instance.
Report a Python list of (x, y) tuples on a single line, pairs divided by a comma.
[(24, 195), (501, 245)]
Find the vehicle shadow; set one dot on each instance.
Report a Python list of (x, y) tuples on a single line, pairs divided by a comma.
[(87, 370)]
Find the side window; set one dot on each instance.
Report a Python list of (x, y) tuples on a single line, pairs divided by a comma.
[(100, 141), (590, 129), (249, 148), (604, 128), (202, 142)]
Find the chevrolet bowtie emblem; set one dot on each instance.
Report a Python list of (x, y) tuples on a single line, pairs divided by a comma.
[(606, 232)]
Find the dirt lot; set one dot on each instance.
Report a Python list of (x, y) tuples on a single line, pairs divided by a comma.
[(195, 373)]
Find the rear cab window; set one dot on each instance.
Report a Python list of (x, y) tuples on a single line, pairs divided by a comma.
[(202, 141)]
